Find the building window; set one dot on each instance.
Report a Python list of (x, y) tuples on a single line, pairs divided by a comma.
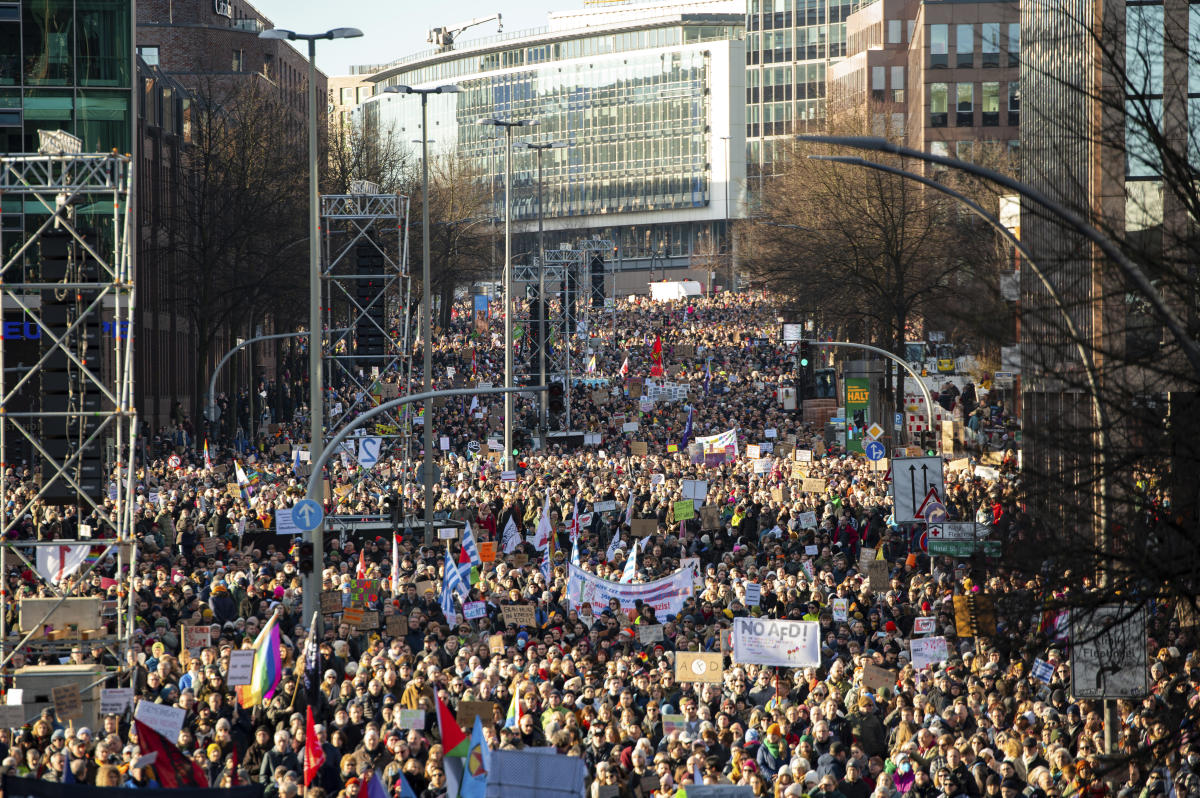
[(989, 41), (965, 106), (1144, 50), (239, 61), (149, 54), (964, 150), (990, 100), (941, 148), (898, 84), (1143, 121), (938, 104), (939, 46), (878, 83), (1014, 43), (347, 97), (1014, 103), (964, 45), (895, 31)]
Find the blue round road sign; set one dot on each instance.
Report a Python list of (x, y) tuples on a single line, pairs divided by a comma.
[(307, 514), (875, 450)]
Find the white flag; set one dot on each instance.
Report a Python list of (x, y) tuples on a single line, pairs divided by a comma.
[(511, 537), (613, 547), (630, 571), (541, 538), (56, 563)]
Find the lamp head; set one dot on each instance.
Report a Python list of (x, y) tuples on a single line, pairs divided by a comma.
[(277, 33), (398, 90), (344, 33)]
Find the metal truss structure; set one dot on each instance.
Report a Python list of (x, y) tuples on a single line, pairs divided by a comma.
[(565, 337), (74, 205), (378, 222)]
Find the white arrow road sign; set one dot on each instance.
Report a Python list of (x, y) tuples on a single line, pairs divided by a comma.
[(368, 452), (912, 478)]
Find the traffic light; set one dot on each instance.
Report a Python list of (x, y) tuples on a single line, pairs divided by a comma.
[(555, 402), (805, 354), (306, 558)]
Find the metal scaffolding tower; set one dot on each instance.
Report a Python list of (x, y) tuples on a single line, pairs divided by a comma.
[(367, 292), (66, 371)]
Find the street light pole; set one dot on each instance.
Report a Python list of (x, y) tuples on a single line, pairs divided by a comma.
[(426, 299), (543, 422), (316, 407), (508, 126)]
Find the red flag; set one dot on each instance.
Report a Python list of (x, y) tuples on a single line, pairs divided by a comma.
[(172, 768), (233, 771), (314, 755), (361, 571), (656, 355)]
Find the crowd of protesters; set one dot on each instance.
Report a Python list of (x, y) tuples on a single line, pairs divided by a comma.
[(997, 718)]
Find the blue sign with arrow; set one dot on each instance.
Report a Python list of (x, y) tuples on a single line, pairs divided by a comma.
[(875, 450), (307, 514)]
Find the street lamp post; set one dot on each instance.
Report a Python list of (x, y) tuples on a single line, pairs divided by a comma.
[(543, 423), (508, 125), (316, 407), (426, 297)]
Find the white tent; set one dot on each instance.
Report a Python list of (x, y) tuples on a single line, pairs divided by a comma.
[(674, 289)]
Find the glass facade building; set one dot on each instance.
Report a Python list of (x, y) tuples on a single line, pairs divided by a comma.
[(648, 101)]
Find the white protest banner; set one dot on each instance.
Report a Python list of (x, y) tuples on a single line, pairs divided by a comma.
[(808, 520), (474, 609), (15, 697), (752, 451), (804, 455), (753, 594), (783, 644), (717, 443), (666, 595), (115, 700), (241, 666), (604, 506), (412, 719), (928, 651), (762, 466), (164, 719), (657, 479), (841, 610), (923, 626), (770, 432), (695, 489)]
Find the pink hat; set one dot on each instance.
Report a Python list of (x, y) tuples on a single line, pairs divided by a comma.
[(279, 591)]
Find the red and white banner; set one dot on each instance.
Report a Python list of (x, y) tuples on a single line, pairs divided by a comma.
[(56, 563)]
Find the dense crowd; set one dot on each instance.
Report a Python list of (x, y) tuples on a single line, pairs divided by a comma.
[(994, 718)]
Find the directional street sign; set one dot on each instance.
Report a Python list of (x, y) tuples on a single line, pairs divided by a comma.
[(875, 450), (957, 531), (912, 480), (307, 514), (964, 548), (874, 431), (935, 513)]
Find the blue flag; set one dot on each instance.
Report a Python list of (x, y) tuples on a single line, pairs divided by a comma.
[(479, 761), (687, 430)]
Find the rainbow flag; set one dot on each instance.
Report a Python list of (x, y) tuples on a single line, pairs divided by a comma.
[(207, 459), (514, 712), (268, 667)]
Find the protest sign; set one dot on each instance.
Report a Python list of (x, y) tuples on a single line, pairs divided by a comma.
[(875, 678), (666, 595), (196, 638), (710, 518), (753, 594), (694, 489), (877, 573), (813, 486), (639, 448), (473, 610), (353, 616), (777, 643), (604, 506), (520, 614), (469, 710), (411, 719), (673, 723), (425, 587), (684, 510), (649, 633), (924, 626), (397, 625), (12, 716), (285, 524), (865, 556), (697, 667), (331, 601), (67, 703), (752, 452), (808, 520), (115, 700), (644, 527), (163, 718), (763, 466), (241, 666), (841, 610), (928, 651), (370, 620), (804, 455), (496, 644)]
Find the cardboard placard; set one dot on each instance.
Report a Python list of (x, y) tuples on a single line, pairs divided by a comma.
[(639, 448), (353, 616), (397, 626), (685, 509), (877, 573), (496, 644), (644, 527), (164, 719), (331, 601), (696, 667), (425, 587), (196, 638), (370, 620), (875, 677), (241, 666), (813, 486), (710, 518), (12, 717), (411, 719), (804, 455), (67, 703), (469, 710), (799, 472), (926, 625), (519, 560), (753, 594), (649, 633), (487, 551), (520, 614)]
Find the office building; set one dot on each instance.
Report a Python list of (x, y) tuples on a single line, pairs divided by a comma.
[(942, 76), (649, 98)]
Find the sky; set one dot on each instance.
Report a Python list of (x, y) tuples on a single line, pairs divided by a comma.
[(394, 29)]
